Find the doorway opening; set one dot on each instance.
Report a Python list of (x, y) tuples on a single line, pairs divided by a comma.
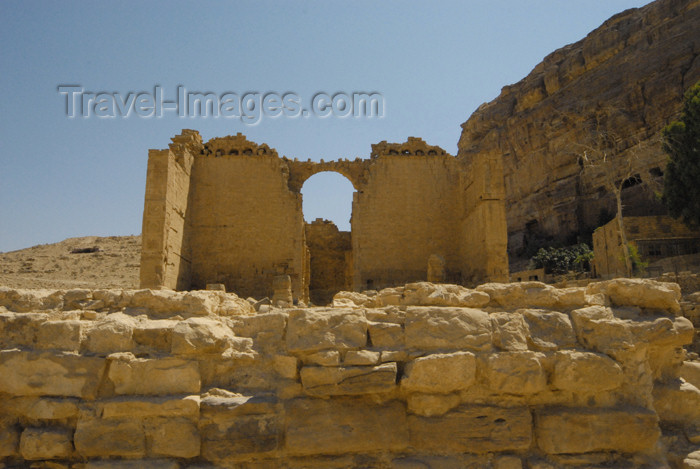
[(327, 207)]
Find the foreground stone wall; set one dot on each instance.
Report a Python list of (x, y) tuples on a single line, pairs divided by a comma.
[(503, 376)]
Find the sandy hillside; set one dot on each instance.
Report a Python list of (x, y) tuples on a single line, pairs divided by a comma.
[(88, 262)]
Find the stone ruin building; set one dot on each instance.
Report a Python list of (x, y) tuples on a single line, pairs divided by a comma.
[(229, 211)]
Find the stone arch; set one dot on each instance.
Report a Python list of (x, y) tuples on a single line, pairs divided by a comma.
[(354, 170)]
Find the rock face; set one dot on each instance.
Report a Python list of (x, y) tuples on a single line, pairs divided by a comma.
[(626, 78), (533, 377)]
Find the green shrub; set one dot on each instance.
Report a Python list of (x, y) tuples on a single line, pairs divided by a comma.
[(563, 260)]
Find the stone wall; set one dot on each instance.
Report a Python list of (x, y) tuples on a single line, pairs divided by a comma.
[(503, 376), (330, 260), (626, 78), (229, 211)]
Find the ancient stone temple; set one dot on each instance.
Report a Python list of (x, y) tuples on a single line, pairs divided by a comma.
[(229, 211)]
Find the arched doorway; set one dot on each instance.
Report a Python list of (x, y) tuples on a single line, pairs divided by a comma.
[(327, 207)]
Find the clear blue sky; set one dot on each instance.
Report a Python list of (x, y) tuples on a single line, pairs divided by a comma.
[(433, 62)]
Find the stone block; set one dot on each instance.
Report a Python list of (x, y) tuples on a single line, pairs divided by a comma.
[(187, 407), (690, 371), (155, 334), (549, 330), (596, 328), (172, 437), (60, 335), (677, 402), (49, 374), (168, 375), (19, 329), (313, 330), (110, 438), (361, 358), (473, 429), (46, 408), (336, 381), (447, 329), (286, 366), (113, 333), (237, 426), (9, 439), (339, 426), (627, 430), (323, 358), (585, 372), (46, 443), (386, 335), (518, 373), (432, 294), (440, 373), (133, 464), (509, 331), (644, 293), (430, 405), (196, 336)]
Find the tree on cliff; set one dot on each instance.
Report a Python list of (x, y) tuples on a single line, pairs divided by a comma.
[(614, 161), (682, 176)]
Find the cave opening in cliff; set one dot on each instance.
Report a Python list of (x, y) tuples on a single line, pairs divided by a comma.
[(327, 206)]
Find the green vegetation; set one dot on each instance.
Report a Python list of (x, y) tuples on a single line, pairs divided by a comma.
[(563, 260), (682, 176)]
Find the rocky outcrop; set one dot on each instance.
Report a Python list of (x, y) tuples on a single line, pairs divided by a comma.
[(626, 79), (502, 376)]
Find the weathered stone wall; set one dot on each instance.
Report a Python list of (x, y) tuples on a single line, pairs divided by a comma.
[(232, 214), (330, 260), (654, 236), (407, 211), (627, 78), (503, 376), (165, 253)]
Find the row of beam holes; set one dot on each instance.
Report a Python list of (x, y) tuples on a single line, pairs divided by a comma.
[(247, 151), (408, 152)]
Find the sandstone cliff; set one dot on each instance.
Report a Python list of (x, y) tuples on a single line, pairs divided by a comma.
[(628, 78)]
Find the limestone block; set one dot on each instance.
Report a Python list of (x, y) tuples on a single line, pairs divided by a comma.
[(430, 405), (155, 334), (440, 373), (386, 335), (350, 299), (464, 430), (507, 462), (282, 291), (159, 406), (521, 294), (286, 366), (677, 402), (46, 443), (429, 294), (516, 373), (318, 329), (132, 464), (338, 426), (627, 430), (510, 331), (266, 329), (447, 328), (235, 426), (692, 460), (664, 331), (549, 330), (168, 375), (9, 439), (644, 293), (336, 381), (48, 374), (60, 335), (19, 329), (597, 328), (585, 372), (204, 335), (390, 296), (110, 437), (323, 358), (168, 302), (46, 408), (690, 371), (113, 333), (361, 357), (173, 437), (21, 300)]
